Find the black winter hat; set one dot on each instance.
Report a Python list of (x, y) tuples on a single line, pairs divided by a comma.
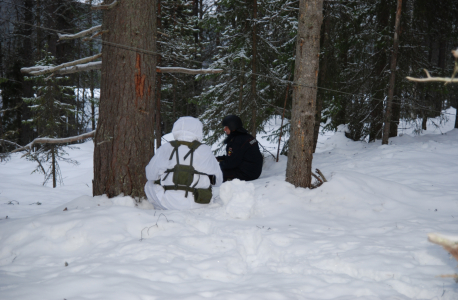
[(233, 123)]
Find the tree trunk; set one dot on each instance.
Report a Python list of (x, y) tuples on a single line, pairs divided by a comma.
[(159, 84), (124, 142), (91, 76), (376, 107), (456, 118), (300, 154), (396, 113), (394, 55), (324, 64), (174, 99), (253, 71), (53, 170)]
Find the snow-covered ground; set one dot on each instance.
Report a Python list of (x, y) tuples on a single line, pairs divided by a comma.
[(362, 234)]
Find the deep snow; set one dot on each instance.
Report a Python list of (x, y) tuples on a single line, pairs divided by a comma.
[(362, 234)]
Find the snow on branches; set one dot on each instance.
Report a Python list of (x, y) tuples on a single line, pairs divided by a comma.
[(45, 140), (79, 34), (107, 6), (439, 79), (65, 67)]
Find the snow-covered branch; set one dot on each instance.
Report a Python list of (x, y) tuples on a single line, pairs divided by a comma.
[(55, 141), (433, 79), (95, 65), (79, 34), (449, 243), (37, 70), (96, 34), (187, 71), (107, 6)]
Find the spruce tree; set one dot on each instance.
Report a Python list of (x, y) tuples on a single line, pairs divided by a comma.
[(50, 113)]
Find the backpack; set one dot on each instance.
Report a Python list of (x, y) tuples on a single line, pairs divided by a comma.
[(183, 175)]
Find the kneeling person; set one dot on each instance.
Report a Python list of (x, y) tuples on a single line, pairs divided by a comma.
[(243, 159), (181, 172)]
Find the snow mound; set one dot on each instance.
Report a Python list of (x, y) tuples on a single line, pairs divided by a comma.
[(238, 196)]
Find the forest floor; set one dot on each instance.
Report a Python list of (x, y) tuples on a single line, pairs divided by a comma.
[(361, 234)]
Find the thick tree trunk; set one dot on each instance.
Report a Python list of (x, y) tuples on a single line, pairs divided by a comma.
[(124, 141), (394, 55), (253, 70), (174, 99), (158, 130), (300, 154)]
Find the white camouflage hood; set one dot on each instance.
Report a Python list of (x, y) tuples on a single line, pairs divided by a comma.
[(188, 129)]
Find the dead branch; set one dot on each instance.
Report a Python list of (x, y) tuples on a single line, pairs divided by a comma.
[(11, 143), (163, 34), (79, 34), (321, 174), (455, 53), (96, 65), (107, 6), (56, 141), (187, 71), (433, 79), (317, 178), (95, 35), (46, 70), (450, 245)]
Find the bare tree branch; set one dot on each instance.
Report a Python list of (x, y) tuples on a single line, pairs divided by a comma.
[(448, 243), (11, 143), (321, 174), (56, 141), (95, 65), (187, 71), (79, 34), (163, 34), (108, 6), (97, 34), (433, 79), (46, 70)]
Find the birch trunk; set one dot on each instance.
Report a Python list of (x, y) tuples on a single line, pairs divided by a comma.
[(124, 142), (300, 154)]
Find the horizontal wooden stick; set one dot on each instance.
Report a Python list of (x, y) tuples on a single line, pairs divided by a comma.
[(433, 79), (446, 242), (46, 70), (95, 35), (56, 141), (187, 71), (95, 65), (107, 6), (79, 34)]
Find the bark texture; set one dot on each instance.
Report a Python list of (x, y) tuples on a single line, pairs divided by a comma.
[(300, 153), (124, 142), (254, 70), (394, 55)]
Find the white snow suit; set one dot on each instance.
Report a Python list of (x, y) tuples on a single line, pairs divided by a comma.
[(185, 129)]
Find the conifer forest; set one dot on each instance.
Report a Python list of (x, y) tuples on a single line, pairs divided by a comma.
[(208, 59), (228, 149)]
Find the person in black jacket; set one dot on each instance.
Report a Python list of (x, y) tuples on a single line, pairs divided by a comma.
[(243, 159)]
